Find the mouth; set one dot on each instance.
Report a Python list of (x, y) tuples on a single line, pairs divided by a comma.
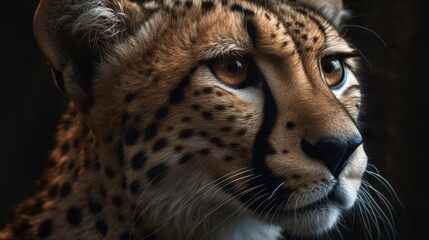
[(329, 199)]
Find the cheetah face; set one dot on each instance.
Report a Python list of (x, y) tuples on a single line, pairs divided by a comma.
[(232, 108)]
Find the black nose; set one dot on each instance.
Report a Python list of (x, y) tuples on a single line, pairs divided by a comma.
[(334, 152)]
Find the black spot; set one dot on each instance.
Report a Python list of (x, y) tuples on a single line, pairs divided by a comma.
[(94, 207), (228, 158), (231, 118), (240, 9), (176, 2), (117, 201), (185, 158), (45, 228), (299, 24), (205, 151), (290, 125), (197, 93), (186, 133), (160, 144), (162, 112), (217, 142), (284, 44), (207, 90), (315, 39), (130, 97), (176, 95), (157, 173), (241, 132), (224, 2), (74, 216), (285, 151), (188, 3), (71, 164), (273, 35), (297, 31), (65, 148), (138, 161), (207, 115), (304, 37), (207, 5), (125, 118), (186, 119), (120, 154), (76, 173), (65, 189), (97, 165), (196, 107), (150, 132), (131, 136), (220, 107), (225, 129), (86, 163), (109, 173), (101, 227), (121, 218), (53, 191), (295, 176), (126, 236), (134, 187), (178, 148), (124, 182)]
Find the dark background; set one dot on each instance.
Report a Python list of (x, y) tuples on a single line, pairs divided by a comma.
[(395, 122)]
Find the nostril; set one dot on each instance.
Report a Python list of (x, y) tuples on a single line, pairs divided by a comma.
[(333, 152)]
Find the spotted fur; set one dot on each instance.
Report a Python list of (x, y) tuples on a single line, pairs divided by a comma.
[(155, 146)]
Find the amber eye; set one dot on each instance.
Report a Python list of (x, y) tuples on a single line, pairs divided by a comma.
[(333, 71), (233, 71)]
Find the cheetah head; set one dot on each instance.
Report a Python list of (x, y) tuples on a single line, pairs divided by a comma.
[(216, 110)]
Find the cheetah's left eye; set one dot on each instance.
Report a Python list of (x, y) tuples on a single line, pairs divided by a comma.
[(233, 71), (333, 71)]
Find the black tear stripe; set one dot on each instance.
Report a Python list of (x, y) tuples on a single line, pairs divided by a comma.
[(260, 150)]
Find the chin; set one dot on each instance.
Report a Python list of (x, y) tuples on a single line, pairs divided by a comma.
[(311, 222)]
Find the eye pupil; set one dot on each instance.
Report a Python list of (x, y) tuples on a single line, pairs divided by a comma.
[(232, 67), (328, 68)]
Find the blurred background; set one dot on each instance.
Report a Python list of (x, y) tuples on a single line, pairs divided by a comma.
[(395, 83)]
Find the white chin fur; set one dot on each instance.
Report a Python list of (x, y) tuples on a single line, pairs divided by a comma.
[(312, 222)]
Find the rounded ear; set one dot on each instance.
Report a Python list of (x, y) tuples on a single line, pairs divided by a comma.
[(331, 9), (75, 34)]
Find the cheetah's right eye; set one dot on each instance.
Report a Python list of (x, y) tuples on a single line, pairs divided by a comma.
[(233, 71)]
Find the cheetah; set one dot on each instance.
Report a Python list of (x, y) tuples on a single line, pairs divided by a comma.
[(197, 119)]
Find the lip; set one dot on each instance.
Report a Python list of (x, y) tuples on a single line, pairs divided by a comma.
[(329, 199)]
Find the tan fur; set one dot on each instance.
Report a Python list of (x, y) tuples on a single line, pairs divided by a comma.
[(153, 96)]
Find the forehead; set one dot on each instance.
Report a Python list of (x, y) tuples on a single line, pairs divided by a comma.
[(272, 26)]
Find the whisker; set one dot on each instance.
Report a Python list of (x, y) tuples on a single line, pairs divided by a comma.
[(369, 30)]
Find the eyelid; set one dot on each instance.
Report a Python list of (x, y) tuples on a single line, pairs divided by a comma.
[(342, 55)]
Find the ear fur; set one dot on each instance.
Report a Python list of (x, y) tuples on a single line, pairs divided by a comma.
[(331, 9), (75, 34)]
